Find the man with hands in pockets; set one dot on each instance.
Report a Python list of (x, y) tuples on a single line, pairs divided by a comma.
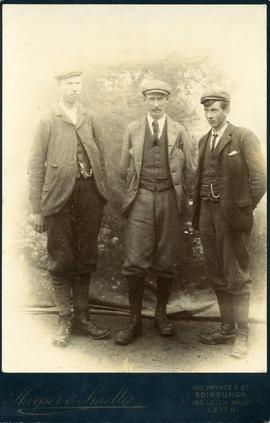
[(230, 183)]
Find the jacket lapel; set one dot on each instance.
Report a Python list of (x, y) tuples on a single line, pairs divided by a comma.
[(80, 116), (202, 147), (226, 137), (59, 112), (138, 144), (172, 133)]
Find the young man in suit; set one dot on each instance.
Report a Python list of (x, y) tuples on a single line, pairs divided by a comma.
[(230, 183), (67, 181), (156, 167)]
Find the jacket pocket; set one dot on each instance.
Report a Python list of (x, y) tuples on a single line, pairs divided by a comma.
[(130, 173), (51, 172), (235, 164), (177, 153), (244, 202)]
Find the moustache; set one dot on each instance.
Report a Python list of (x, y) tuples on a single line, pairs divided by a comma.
[(156, 110)]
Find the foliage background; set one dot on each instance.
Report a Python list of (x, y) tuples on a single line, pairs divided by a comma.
[(114, 96), (118, 46)]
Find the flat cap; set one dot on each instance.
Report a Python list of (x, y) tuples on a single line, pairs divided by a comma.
[(67, 73), (155, 86), (216, 95)]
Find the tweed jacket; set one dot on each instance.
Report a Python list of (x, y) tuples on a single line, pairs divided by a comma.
[(53, 163), (241, 176), (180, 163)]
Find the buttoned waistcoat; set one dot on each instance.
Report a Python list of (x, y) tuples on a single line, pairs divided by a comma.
[(241, 176), (179, 157), (53, 161)]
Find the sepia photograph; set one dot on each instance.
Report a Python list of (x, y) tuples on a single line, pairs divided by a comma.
[(134, 188)]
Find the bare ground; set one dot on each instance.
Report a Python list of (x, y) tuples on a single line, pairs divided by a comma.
[(32, 350)]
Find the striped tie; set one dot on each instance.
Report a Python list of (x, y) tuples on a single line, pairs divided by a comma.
[(214, 142), (155, 132)]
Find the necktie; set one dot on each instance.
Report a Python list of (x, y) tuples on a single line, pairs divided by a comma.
[(155, 132), (214, 142)]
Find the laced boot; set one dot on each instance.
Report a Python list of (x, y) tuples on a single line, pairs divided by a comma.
[(226, 332), (134, 328), (81, 323), (241, 311), (62, 300), (161, 322), (62, 336)]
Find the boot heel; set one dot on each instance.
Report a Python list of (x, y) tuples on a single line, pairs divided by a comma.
[(130, 333), (83, 325)]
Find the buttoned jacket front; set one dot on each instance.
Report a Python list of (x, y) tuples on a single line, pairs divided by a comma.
[(241, 177), (53, 161), (179, 158)]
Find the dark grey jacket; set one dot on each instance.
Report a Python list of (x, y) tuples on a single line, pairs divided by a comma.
[(241, 176)]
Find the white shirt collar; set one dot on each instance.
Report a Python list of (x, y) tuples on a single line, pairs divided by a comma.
[(161, 123), (221, 130), (71, 113)]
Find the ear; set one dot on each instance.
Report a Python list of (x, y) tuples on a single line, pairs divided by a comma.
[(228, 109)]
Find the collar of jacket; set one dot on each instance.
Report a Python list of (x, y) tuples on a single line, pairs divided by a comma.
[(172, 132), (81, 116), (224, 140)]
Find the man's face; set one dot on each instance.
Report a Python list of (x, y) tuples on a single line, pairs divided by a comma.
[(156, 104), (70, 89), (216, 115)]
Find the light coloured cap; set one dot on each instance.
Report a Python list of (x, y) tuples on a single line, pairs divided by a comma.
[(216, 95), (155, 86), (65, 74)]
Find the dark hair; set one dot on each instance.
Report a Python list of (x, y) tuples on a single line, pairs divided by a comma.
[(224, 104)]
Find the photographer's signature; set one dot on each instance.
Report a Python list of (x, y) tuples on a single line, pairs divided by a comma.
[(32, 403)]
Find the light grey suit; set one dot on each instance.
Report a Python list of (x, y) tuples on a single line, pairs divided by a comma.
[(180, 162), (154, 218)]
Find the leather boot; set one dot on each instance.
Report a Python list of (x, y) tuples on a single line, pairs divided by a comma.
[(81, 323), (161, 322), (62, 336), (241, 312), (226, 332), (135, 295), (62, 300)]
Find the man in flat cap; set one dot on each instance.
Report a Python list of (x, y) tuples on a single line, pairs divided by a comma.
[(68, 191), (155, 166), (230, 183)]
